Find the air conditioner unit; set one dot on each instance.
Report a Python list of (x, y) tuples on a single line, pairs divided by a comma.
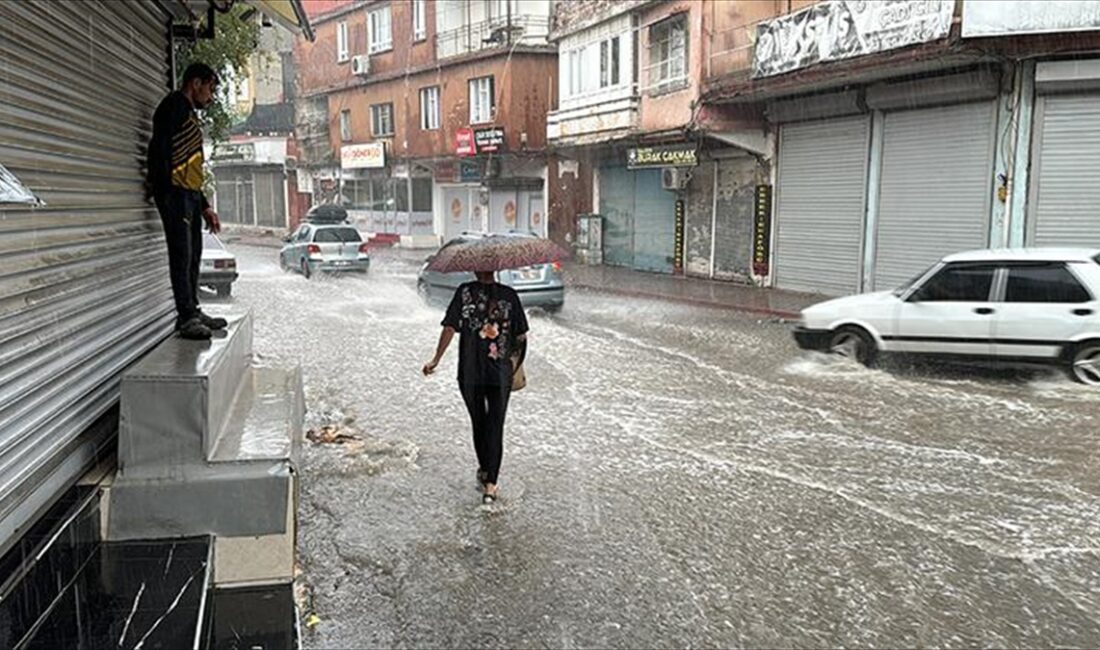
[(360, 65), (673, 178)]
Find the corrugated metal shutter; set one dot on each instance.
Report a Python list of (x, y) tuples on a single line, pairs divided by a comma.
[(83, 281), (270, 198), (1065, 196), (821, 204), (937, 174), (617, 209), (654, 223)]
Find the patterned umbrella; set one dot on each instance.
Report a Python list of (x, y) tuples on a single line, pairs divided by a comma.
[(495, 253)]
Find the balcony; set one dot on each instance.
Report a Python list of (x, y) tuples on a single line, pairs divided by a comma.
[(501, 32), (597, 117)]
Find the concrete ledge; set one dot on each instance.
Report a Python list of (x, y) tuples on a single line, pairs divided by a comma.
[(419, 242)]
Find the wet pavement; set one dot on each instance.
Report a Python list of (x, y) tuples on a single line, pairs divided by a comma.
[(677, 476)]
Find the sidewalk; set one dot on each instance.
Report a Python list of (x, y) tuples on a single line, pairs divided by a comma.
[(695, 291)]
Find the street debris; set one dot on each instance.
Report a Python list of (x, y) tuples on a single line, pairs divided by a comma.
[(331, 434)]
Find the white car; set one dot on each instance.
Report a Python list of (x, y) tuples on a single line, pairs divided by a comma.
[(1021, 305), (219, 266)]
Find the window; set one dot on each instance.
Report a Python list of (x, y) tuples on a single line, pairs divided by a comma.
[(668, 52), (381, 119), (420, 22), (381, 36), (342, 53), (345, 125), (422, 195), (337, 236), (593, 67), (429, 108), (958, 283), (1044, 283), (609, 62), (481, 100)]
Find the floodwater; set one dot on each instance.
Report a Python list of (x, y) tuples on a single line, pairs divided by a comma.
[(676, 476)]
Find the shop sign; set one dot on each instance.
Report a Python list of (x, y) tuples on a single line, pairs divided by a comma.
[(1004, 17), (841, 29), (489, 140), (234, 152), (671, 155), (762, 230), (678, 256), (401, 171), (444, 172), (371, 155), (464, 142), (469, 171)]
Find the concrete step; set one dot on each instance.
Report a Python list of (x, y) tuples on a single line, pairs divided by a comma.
[(265, 420), (176, 402)]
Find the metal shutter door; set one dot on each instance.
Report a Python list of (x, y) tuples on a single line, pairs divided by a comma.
[(83, 280), (617, 209), (937, 169), (654, 223), (270, 198), (1065, 198), (820, 204)]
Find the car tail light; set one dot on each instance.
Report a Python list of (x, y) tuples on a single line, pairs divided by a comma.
[(225, 264), (313, 249), (556, 266), (364, 247)]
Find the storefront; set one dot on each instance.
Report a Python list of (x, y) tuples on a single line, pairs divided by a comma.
[(639, 191), (879, 182), (385, 196)]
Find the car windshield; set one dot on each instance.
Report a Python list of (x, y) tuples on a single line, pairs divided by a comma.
[(337, 236), (209, 241), (909, 285)]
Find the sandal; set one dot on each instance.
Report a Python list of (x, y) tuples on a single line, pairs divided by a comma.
[(488, 499)]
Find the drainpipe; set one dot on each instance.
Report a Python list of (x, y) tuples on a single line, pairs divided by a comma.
[(714, 220)]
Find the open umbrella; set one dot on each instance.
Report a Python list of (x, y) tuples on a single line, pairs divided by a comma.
[(495, 253)]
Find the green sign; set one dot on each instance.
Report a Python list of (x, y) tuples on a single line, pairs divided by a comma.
[(665, 155)]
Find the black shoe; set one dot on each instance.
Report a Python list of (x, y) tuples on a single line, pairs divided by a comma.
[(194, 330), (212, 322)]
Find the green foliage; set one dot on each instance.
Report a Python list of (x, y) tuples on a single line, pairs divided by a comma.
[(235, 40)]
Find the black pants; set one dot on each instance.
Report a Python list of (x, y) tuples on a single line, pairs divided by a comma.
[(487, 406), (181, 214)]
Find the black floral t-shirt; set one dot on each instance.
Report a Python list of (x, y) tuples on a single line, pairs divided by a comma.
[(489, 318)]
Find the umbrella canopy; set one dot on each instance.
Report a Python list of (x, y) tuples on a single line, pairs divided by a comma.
[(495, 253)]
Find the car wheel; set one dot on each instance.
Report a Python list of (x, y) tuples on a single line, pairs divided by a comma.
[(1084, 366), (853, 343), (305, 269), (553, 309), (224, 290)]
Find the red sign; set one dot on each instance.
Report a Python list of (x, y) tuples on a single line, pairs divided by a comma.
[(464, 142)]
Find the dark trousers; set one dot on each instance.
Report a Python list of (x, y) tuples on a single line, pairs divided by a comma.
[(181, 214), (487, 406)]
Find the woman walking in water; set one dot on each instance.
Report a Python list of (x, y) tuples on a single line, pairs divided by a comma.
[(492, 332)]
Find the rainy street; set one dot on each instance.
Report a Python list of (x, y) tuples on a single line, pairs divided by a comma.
[(676, 476)]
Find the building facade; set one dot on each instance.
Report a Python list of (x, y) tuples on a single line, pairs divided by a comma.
[(428, 118), (672, 180)]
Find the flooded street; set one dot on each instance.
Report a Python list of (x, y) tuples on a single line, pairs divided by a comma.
[(676, 476)]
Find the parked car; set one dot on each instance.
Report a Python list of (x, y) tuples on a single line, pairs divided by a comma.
[(1016, 306), (537, 286), (218, 270), (328, 248)]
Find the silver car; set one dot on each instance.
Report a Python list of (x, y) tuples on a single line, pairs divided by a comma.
[(538, 286), (327, 248)]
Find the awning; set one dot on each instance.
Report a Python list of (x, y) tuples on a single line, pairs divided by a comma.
[(288, 13)]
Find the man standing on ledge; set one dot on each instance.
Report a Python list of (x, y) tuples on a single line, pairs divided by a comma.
[(175, 176)]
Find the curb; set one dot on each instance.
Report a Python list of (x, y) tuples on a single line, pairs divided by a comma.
[(763, 311)]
